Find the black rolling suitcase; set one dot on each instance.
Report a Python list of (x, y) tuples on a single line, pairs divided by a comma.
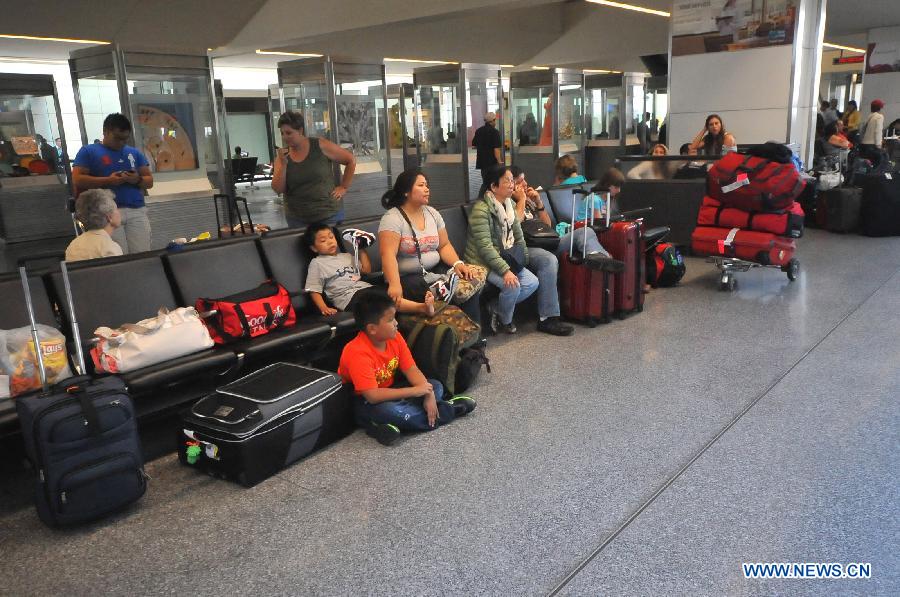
[(880, 213), (255, 426), (838, 209), (82, 439)]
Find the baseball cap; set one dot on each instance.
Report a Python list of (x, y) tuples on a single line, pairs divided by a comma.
[(490, 117), (877, 104)]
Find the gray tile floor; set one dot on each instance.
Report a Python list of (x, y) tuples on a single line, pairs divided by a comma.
[(651, 456)]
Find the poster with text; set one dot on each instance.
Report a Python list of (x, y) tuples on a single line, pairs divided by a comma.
[(702, 26)]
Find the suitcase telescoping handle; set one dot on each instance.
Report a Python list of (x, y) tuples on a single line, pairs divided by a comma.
[(39, 357), (71, 303), (29, 307), (588, 217)]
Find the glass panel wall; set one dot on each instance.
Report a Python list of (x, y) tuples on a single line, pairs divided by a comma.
[(34, 169)]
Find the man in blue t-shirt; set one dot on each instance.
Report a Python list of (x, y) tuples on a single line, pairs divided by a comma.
[(125, 171)]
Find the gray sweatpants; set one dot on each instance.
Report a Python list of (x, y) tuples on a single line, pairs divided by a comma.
[(134, 233)]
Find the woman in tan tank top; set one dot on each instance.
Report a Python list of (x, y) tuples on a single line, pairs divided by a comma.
[(303, 172)]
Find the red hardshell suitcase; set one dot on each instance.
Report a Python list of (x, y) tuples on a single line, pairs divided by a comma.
[(624, 242), (585, 294), (753, 184), (761, 247), (788, 222)]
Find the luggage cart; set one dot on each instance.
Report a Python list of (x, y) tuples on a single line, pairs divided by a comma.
[(729, 266)]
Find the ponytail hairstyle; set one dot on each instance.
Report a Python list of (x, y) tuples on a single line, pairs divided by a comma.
[(396, 197)]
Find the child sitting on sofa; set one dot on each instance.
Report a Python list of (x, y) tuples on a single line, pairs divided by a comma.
[(337, 277), (383, 408)]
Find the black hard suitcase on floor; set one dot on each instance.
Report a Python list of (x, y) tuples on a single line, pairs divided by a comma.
[(252, 428), (81, 437), (880, 213), (838, 209)]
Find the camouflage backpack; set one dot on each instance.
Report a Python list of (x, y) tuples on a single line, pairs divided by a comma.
[(445, 346)]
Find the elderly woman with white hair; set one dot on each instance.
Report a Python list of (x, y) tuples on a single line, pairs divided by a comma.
[(96, 210)]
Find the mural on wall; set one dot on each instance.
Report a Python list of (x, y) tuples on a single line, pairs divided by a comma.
[(356, 124), (167, 135), (883, 57), (703, 26)]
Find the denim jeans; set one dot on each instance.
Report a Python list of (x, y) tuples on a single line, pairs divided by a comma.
[(334, 220), (407, 414), (540, 276), (584, 238)]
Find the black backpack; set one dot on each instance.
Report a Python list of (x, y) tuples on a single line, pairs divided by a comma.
[(665, 266)]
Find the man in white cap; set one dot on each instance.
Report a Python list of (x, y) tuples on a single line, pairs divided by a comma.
[(487, 144)]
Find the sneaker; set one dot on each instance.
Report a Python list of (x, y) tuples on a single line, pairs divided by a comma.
[(462, 405), (555, 326), (386, 433), (507, 328), (444, 289), (600, 262)]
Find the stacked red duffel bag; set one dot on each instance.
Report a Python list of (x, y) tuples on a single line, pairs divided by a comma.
[(749, 211)]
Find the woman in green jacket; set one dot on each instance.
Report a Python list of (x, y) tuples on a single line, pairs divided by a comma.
[(496, 241)]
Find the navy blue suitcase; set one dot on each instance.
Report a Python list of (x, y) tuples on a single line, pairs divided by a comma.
[(81, 437)]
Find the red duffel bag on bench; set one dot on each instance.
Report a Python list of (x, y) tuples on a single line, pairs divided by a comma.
[(248, 314), (788, 222)]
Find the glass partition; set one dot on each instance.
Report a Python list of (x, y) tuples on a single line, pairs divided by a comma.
[(311, 99), (402, 127), (548, 121), (670, 167), (451, 102), (170, 101), (571, 118), (34, 167), (173, 123), (344, 102)]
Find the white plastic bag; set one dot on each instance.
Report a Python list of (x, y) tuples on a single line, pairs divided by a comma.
[(18, 364), (167, 336), (830, 180)]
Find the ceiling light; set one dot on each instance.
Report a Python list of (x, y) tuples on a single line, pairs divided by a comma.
[(266, 52), (31, 60), (507, 66), (66, 40), (602, 71), (840, 47), (540, 68), (419, 61), (651, 11)]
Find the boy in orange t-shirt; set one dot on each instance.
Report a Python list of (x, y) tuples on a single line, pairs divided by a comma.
[(371, 360)]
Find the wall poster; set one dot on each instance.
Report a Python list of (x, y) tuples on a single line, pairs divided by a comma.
[(167, 135), (703, 26)]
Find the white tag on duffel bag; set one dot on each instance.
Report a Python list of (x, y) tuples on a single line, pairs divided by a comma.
[(169, 335)]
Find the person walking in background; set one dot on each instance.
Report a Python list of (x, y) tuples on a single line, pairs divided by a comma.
[(486, 142), (304, 173), (113, 164)]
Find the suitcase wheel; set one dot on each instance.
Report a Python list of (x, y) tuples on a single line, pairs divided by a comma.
[(792, 269), (728, 282)]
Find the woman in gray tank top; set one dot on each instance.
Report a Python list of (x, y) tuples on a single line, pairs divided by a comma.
[(304, 174)]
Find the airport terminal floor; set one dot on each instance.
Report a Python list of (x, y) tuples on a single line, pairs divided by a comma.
[(650, 456)]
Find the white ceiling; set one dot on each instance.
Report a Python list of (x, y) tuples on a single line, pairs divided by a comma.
[(520, 32)]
